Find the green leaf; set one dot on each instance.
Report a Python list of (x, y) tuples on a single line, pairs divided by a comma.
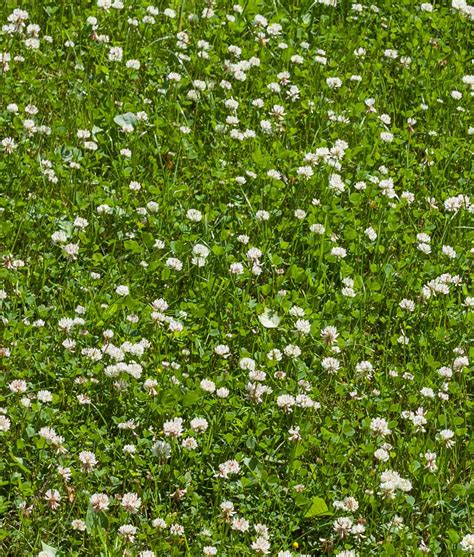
[(318, 508), (251, 442), (348, 430), (127, 119), (48, 549), (68, 153), (269, 319), (388, 550), (191, 398), (89, 519), (132, 245)]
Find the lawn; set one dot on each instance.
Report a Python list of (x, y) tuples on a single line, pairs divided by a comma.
[(235, 292)]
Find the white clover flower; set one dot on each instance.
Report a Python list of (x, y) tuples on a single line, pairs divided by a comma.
[(334, 82), (331, 365), (467, 544), (262, 215), (208, 385), (371, 234), (303, 326), (115, 54), (391, 53), (449, 252), (317, 228), (387, 137), (338, 252), (382, 455), (236, 268), (5, 423), (174, 263), (122, 290), (379, 426)]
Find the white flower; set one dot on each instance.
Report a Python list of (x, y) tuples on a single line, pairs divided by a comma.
[(122, 290), (78, 525), (131, 502), (286, 402), (342, 526), (261, 545), (371, 234), (303, 326), (379, 426), (159, 524), (262, 215), (59, 237), (174, 263), (222, 350), (336, 183), (173, 76), (449, 252), (391, 481), (446, 436), (199, 425), (208, 385), (305, 172), (424, 248), (4, 423), (407, 305), (317, 228), (194, 215), (133, 64), (88, 460), (189, 443), (333, 82), (260, 21), (331, 365), (52, 497), (382, 455), (115, 54), (99, 502), (467, 543), (200, 252), (330, 334), (173, 428), (391, 53), (222, 392), (387, 137), (236, 268), (80, 223), (364, 368), (338, 252), (230, 467), (292, 351), (71, 250), (128, 532)]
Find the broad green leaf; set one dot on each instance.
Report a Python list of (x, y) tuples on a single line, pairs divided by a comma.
[(127, 119), (48, 549), (318, 508), (269, 319)]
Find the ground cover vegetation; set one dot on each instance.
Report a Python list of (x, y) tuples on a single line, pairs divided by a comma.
[(236, 252)]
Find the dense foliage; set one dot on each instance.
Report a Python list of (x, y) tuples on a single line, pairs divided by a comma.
[(236, 248)]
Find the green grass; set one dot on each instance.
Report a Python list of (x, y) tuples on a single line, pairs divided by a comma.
[(130, 356)]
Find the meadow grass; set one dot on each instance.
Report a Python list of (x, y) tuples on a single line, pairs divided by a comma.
[(235, 286)]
